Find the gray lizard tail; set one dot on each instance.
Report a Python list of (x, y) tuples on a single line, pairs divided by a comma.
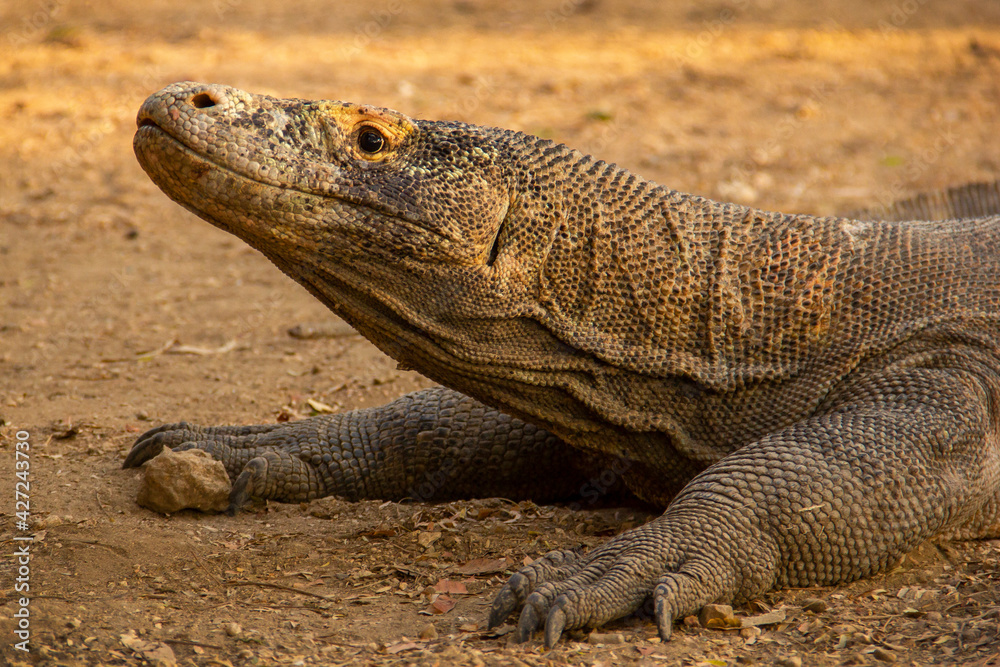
[(974, 200)]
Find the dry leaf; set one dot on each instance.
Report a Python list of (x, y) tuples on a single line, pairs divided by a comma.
[(750, 635), (770, 618), (381, 533), (319, 406), (202, 351), (451, 587), (442, 605), (427, 539), (130, 641), (402, 646)]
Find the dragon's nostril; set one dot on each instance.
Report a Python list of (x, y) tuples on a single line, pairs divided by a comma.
[(202, 101)]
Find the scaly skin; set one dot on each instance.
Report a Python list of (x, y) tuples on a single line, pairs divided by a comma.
[(429, 445), (808, 397)]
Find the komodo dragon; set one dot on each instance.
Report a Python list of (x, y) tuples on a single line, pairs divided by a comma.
[(809, 398)]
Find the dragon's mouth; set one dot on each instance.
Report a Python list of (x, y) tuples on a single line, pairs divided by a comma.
[(148, 131)]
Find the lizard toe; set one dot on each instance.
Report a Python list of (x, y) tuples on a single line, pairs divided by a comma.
[(165, 428), (586, 601), (587, 592), (679, 594), (534, 610), (553, 565), (554, 626), (151, 443), (508, 599), (277, 475), (658, 562), (664, 614), (182, 435)]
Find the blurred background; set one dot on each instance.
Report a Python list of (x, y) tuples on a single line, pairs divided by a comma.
[(803, 105)]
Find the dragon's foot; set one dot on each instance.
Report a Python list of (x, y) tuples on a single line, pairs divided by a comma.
[(277, 461), (220, 441), (679, 571)]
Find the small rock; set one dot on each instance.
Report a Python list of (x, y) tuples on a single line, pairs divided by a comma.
[(606, 638), (691, 622), (161, 656), (815, 606), (883, 654), (933, 616), (232, 629), (428, 632), (189, 479), (715, 616), (246, 654), (74, 623), (791, 661)]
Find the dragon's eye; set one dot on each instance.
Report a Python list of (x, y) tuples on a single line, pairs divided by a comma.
[(371, 141)]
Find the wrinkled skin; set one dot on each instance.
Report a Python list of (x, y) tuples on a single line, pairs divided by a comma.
[(809, 398)]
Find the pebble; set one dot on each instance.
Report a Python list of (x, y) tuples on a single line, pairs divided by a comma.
[(428, 632), (715, 612), (184, 480), (232, 629), (816, 606), (884, 655), (791, 661)]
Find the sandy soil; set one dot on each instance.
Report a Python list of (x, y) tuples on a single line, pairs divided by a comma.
[(813, 107)]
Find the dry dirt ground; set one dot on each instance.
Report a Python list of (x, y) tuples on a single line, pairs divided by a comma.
[(120, 311)]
